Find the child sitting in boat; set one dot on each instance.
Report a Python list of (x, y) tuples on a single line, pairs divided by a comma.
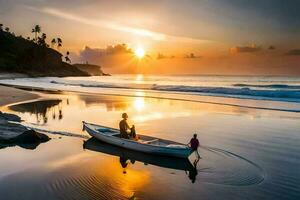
[(194, 144), (125, 130)]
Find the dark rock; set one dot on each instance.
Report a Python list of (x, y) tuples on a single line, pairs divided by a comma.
[(28, 140), (93, 70), (31, 136), (15, 134), (10, 130), (9, 117)]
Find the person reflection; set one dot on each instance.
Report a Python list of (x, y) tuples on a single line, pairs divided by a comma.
[(193, 172), (124, 162)]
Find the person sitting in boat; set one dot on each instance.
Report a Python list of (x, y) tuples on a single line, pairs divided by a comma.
[(125, 130), (194, 144)]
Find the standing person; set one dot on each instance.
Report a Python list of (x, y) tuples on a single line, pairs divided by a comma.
[(125, 130), (194, 144)]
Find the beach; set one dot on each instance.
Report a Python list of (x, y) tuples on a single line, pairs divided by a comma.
[(11, 95), (150, 100), (249, 149)]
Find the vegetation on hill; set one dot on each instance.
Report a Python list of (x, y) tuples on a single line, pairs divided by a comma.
[(33, 56), (93, 70)]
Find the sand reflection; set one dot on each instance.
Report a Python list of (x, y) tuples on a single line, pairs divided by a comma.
[(41, 110)]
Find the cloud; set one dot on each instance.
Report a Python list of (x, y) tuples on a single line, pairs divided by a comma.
[(245, 49), (162, 56), (94, 54), (293, 52), (113, 25)]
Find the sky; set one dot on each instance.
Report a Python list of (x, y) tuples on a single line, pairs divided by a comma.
[(192, 36)]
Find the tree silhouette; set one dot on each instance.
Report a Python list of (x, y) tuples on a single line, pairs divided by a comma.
[(53, 42), (1, 27), (67, 57), (59, 43), (36, 30), (42, 40), (7, 29)]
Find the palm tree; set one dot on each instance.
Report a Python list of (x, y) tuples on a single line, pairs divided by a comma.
[(59, 43), (53, 42), (36, 30), (67, 57), (42, 40)]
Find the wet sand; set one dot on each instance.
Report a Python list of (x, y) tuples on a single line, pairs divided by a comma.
[(246, 153), (9, 95)]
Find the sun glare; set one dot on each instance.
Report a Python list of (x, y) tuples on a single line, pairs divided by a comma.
[(139, 52)]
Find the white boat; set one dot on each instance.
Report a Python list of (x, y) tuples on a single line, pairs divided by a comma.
[(146, 144)]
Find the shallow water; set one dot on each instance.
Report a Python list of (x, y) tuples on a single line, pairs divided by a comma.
[(246, 153)]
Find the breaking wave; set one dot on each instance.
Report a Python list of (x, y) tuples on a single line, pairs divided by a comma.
[(277, 92)]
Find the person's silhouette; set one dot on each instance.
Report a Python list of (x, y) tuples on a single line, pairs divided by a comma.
[(194, 144), (125, 130)]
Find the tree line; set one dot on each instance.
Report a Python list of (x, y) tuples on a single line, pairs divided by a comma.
[(39, 38)]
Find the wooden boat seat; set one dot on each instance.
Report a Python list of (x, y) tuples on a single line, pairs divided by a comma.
[(108, 132), (150, 141)]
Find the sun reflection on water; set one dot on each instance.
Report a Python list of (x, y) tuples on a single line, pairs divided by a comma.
[(139, 104), (127, 183), (139, 77)]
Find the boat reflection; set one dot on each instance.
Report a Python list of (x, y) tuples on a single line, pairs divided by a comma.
[(128, 156)]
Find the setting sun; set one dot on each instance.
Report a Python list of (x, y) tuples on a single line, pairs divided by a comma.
[(139, 52)]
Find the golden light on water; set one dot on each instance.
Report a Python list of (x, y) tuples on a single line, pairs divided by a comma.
[(139, 103), (123, 183), (139, 77)]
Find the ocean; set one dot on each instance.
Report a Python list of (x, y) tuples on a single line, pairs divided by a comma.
[(248, 129), (277, 93)]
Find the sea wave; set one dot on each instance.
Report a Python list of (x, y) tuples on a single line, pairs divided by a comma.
[(271, 92), (271, 86), (220, 91), (102, 85)]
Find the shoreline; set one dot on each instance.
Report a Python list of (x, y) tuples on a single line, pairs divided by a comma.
[(205, 100)]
